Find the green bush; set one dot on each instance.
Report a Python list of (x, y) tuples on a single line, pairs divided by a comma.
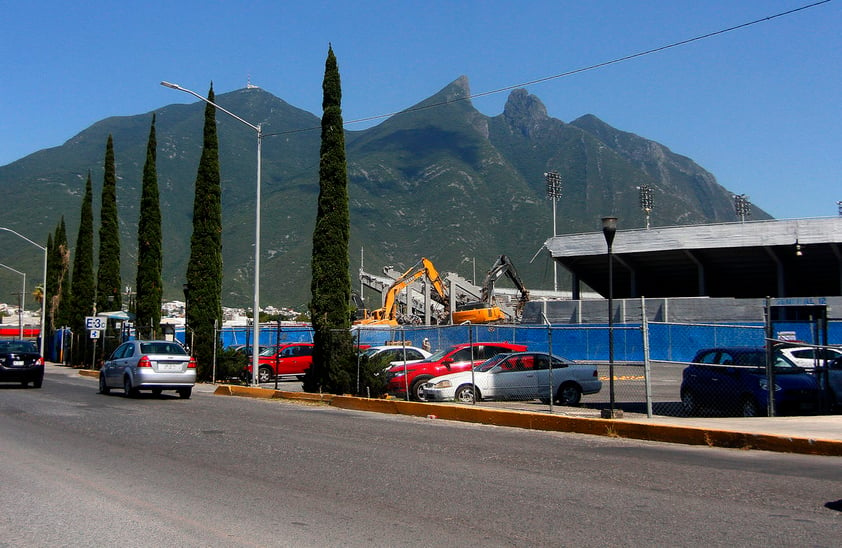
[(230, 364)]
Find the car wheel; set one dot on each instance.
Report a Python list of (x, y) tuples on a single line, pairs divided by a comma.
[(128, 390), (416, 391), (184, 393), (300, 378), (37, 383), (157, 391), (688, 400), (569, 394), (103, 387), (750, 408), (264, 374), (465, 394)]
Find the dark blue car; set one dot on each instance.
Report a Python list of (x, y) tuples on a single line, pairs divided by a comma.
[(734, 381)]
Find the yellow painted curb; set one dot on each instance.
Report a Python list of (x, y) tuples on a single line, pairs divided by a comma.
[(267, 393), (89, 372), (557, 423)]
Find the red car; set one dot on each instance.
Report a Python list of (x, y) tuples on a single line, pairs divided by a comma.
[(450, 360), (285, 360)]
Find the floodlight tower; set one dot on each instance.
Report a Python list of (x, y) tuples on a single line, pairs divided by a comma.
[(646, 201), (554, 193), (742, 205)]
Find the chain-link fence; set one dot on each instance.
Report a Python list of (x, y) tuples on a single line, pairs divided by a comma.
[(652, 368)]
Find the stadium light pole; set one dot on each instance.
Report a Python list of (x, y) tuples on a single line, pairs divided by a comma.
[(44, 289), (22, 297), (255, 344), (554, 193), (646, 201), (609, 228)]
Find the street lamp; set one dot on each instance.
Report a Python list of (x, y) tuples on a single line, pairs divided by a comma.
[(256, 335), (43, 293), (609, 228), (22, 297)]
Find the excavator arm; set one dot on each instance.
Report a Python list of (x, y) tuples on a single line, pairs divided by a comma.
[(485, 310), (387, 315)]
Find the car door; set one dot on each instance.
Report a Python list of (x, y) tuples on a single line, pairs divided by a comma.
[(834, 381), (286, 360), (698, 378), (111, 367), (726, 380), (514, 378)]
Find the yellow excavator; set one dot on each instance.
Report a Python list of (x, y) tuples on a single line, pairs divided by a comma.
[(388, 314), (485, 310)]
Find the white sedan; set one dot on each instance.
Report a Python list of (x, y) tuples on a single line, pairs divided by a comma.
[(808, 357), (518, 376)]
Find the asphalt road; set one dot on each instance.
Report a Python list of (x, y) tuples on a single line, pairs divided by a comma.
[(78, 468)]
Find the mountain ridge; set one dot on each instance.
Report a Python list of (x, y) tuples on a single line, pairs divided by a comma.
[(439, 179)]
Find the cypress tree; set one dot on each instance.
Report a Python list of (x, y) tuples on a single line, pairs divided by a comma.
[(57, 264), (330, 289), (149, 285), (83, 290), (64, 304), (204, 269), (108, 282)]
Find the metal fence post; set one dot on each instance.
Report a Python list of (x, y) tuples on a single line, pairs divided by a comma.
[(647, 378), (770, 369)]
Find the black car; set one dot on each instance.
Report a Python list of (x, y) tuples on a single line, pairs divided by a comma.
[(733, 380), (21, 362)]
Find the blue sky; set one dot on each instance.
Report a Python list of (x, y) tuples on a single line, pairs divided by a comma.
[(759, 107)]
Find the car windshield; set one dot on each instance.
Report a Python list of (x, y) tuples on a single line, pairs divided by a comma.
[(369, 352), (162, 348), (440, 354), (488, 364), (17, 346), (268, 351)]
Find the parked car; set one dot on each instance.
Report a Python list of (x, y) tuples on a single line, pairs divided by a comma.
[(390, 355), (149, 365), (810, 357), (519, 376), (20, 361), (285, 360), (459, 357), (733, 380), (246, 348), (831, 379)]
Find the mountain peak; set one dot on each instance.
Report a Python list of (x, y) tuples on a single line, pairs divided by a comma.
[(524, 112)]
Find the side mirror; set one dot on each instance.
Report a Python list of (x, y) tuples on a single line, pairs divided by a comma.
[(447, 363)]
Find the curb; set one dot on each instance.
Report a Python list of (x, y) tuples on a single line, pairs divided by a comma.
[(615, 428), (600, 427)]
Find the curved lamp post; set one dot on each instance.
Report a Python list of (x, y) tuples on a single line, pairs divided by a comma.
[(44, 293), (256, 337), (609, 228)]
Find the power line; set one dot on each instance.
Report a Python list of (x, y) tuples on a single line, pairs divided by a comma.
[(573, 71)]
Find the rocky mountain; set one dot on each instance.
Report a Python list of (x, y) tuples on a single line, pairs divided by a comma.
[(439, 180)]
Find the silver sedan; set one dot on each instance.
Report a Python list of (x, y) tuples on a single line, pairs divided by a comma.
[(148, 365)]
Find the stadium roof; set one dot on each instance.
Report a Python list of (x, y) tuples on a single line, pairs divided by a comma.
[(778, 258)]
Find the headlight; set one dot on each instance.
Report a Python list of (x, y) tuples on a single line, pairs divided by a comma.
[(442, 384), (764, 385)]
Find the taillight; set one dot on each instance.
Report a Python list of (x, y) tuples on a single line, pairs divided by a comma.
[(144, 362), (192, 363), (39, 361)]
